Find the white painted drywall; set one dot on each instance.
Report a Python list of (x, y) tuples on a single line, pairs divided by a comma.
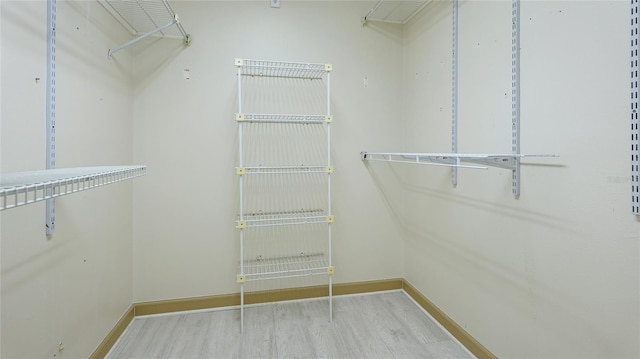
[(554, 274), (185, 241), (73, 287)]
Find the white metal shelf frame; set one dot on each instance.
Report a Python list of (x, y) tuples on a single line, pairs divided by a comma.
[(22, 188), (144, 18), (284, 266)]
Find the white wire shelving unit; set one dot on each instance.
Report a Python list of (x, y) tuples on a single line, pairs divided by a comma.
[(22, 188), (283, 209), (394, 11), (144, 18)]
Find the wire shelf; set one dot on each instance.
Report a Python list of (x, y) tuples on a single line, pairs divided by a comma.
[(270, 219), (297, 70), (259, 170), (286, 266), (281, 118), (22, 188), (144, 18), (506, 161)]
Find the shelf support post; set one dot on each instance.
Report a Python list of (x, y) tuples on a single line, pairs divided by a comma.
[(454, 90), (51, 110), (515, 95), (635, 132)]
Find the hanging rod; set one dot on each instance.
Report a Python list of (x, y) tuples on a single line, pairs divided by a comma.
[(144, 18), (505, 161)]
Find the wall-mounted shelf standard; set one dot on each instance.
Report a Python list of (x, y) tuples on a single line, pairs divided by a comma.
[(22, 188), (284, 173), (635, 129), (395, 12), (144, 18)]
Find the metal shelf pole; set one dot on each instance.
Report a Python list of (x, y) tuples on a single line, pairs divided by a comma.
[(241, 189), (143, 36), (454, 90), (50, 211), (515, 94), (635, 132), (329, 195)]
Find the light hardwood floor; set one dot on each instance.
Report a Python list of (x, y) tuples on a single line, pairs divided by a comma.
[(380, 325)]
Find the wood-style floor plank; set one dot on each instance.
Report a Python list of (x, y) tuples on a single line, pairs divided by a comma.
[(380, 325)]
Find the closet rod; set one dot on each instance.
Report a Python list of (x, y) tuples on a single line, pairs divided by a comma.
[(133, 41)]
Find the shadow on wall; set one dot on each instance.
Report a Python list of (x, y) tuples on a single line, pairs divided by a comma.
[(519, 285), (433, 14), (520, 292), (152, 57), (387, 175)]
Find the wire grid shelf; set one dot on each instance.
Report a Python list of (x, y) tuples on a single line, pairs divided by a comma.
[(283, 69), (21, 188), (282, 118), (142, 16), (285, 169), (286, 266), (284, 218)]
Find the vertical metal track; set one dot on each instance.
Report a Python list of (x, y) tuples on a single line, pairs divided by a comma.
[(635, 163), (454, 90), (329, 195), (515, 94), (51, 108), (241, 207)]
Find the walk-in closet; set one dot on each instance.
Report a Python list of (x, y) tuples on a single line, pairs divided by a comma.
[(321, 178)]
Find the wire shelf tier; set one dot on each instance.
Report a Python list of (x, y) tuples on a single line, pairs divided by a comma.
[(260, 170), (270, 219), (297, 70), (21, 188), (282, 118), (286, 267), (506, 161)]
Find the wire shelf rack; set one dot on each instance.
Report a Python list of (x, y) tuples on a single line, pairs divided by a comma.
[(286, 267), (480, 161), (298, 70), (22, 188), (282, 118), (144, 18), (269, 219)]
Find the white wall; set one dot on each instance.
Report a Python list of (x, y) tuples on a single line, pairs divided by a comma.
[(185, 241), (73, 287), (554, 274)]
